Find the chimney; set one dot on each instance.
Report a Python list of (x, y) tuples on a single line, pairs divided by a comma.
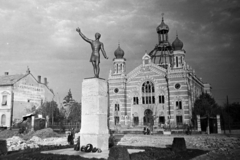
[(39, 79), (45, 81), (28, 71), (5, 73)]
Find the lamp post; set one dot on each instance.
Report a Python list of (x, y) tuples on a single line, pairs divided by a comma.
[(169, 107)]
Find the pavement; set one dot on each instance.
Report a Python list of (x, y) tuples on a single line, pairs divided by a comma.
[(103, 154)]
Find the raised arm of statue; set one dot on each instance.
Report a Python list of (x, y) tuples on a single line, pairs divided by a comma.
[(83, 36), (103, 51)]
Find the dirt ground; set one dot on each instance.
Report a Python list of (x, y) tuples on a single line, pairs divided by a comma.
[(220, 147)]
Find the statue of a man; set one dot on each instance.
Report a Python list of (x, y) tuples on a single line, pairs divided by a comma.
[(96, 46)]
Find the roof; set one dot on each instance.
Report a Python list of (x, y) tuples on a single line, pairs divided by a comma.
[(10, 79)]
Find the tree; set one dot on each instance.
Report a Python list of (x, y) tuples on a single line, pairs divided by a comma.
[(233, 110), (68, 101), (71, 108), (50, 109), (75, 112), (206, 107)]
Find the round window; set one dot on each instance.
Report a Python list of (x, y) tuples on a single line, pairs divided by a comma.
[(116, 90), (177, 86)]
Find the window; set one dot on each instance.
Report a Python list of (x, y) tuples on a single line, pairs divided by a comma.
[(116, 120), (178, 104), (176, 61), (148, 93), (135, 100), (162, 120), (136, 120), (4, 100), (161, 99), (3, 120), (116, 107), (177, 86), (179, 120), (116, 90)]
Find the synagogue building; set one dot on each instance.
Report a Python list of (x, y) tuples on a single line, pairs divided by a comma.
[(161, 90)]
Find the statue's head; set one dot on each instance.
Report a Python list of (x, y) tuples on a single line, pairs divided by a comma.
[(97, 35)]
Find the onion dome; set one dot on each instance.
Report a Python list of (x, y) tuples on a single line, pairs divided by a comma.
[(119, 53), (177, 44), (162, 28)]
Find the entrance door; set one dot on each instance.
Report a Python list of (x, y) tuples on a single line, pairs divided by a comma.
[(148, 117)]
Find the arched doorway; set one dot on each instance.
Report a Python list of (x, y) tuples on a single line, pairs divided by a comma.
[(3, 120), (148, 117)]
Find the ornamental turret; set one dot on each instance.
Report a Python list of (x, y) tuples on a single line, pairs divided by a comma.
[(178, 53), (119, 62)]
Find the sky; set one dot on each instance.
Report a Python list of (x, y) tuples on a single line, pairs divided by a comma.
[(42, 35)]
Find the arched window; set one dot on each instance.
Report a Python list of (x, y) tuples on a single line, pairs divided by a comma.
[(116, 120), (148, 96), (178, 104), (117, 107), (176, 61), (135, 100), (3, 120), (161, 99)]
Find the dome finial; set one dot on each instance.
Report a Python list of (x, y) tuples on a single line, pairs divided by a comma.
[(119, 53), (176, 34), (162, 16)]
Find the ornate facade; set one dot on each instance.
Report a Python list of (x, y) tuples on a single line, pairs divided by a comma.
[(161, 90)]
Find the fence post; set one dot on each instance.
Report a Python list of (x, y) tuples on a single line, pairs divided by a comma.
[(198, 123), (218, 125)]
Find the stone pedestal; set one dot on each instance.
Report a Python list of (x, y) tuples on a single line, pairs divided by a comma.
[(94, 127)]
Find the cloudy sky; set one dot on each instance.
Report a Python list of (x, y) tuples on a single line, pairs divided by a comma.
[(42, 35)]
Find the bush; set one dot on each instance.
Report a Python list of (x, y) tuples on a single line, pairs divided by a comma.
[(25, 126), (39, 124)]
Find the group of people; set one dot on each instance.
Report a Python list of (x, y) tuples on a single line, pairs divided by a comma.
[(188, 130), (146, 131)]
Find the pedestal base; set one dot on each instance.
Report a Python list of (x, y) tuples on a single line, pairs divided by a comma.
[(97, 140), (94, 129)]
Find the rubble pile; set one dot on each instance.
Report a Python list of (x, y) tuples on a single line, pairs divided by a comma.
[(16, 143)]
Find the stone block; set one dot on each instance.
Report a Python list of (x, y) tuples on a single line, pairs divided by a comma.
[(3, 147), (179, 144), (118, 153)]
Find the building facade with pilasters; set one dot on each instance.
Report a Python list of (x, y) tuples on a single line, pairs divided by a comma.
[(160, 91)]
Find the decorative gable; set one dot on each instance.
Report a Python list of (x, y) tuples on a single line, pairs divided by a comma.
[(146, 59)]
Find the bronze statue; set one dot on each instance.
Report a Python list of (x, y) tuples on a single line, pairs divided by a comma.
[(96, 46)]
